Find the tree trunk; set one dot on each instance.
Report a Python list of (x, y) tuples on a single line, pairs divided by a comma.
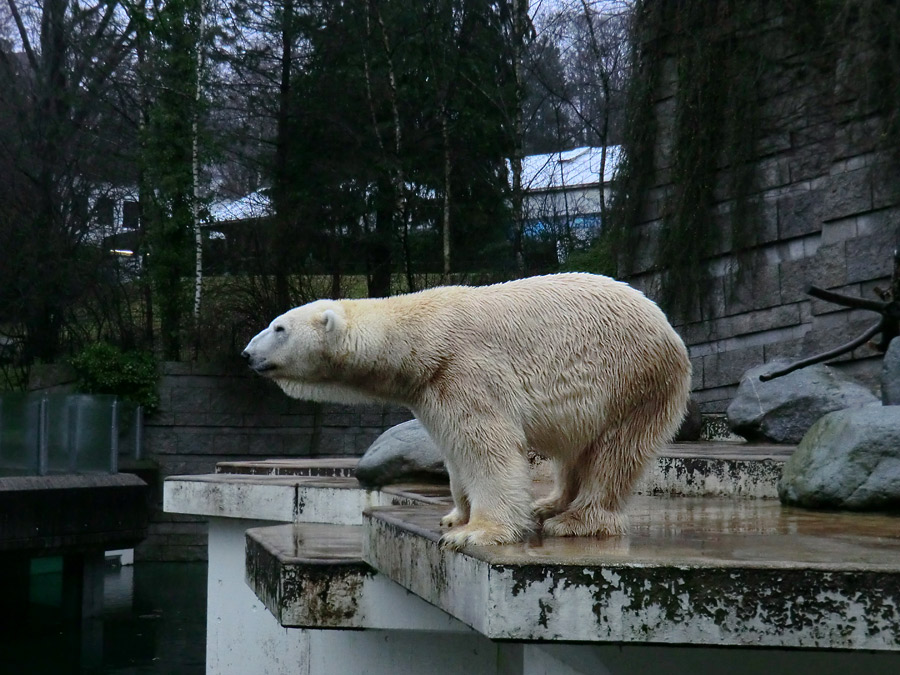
[(281, 188), (390, 186), (195, 172), (380, 243), (445, 230), (520, 23)]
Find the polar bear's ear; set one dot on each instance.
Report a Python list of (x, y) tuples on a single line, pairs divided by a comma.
[(330, 320)]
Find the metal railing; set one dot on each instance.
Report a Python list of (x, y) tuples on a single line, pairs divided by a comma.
[(43, 434)]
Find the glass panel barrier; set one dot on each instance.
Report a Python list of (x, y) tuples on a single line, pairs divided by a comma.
[(81, 433), (19, 434), (93, 433)]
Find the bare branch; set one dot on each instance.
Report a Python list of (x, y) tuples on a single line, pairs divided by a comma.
[(818, 358), (846, 300), (23, 34)]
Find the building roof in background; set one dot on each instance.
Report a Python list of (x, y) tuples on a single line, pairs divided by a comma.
[(254, 205), (540, 173), (569, 168)]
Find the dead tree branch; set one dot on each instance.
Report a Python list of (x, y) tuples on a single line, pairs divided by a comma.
[(888, 325)]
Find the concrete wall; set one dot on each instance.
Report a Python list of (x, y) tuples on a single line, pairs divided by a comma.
[(829, 215)]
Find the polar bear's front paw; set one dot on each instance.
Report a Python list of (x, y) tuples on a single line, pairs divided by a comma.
[(454, 519), (480, 534)]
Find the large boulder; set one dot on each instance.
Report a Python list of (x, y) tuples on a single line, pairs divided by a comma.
[(402, 453), (782, 410), (890, 374), (850, 459)]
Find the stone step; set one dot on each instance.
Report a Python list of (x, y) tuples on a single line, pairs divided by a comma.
[(340, 467), (289, 498), (313, 576), (706, 469)]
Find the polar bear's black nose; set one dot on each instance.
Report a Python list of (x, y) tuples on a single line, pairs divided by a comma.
[(245, 355)]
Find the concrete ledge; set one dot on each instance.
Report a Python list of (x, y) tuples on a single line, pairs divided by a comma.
[(699, 572), (711, 477), (313, 576), (43, 515), (342, 467), (286, 498), (682, 469), (310, 575)]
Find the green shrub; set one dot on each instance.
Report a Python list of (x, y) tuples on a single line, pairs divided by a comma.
[(105, 369)]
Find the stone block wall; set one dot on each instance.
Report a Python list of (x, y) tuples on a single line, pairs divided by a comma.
[(828, 198)]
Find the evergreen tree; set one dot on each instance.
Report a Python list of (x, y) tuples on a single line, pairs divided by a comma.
[(168, 178)]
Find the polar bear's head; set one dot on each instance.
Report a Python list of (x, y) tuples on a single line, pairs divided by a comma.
[(299, 345)]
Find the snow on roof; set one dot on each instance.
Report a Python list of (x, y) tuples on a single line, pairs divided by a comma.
[(569, 168), (540, 173), (254, 205)]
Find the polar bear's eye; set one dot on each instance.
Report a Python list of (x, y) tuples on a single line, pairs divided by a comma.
[(279, 329)]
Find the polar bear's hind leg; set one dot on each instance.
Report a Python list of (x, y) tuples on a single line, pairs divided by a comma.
[(610, 466)]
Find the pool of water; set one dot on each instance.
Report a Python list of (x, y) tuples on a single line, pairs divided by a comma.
[(153, 623)]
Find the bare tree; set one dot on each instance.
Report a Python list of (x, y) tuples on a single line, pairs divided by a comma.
[(591, 37), (59, 146)]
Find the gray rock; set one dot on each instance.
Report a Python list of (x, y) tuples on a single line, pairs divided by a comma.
[(850, 459), (782, 410), (890, 374), (402, 453)]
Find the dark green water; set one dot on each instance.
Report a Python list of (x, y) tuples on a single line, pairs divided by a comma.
[(153, 623)]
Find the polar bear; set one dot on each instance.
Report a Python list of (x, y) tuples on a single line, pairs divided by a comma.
[(580, 369)]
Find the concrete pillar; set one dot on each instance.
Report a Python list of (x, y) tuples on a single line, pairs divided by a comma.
[(83, 585), (15, 582), (82, 602), (242, 636)]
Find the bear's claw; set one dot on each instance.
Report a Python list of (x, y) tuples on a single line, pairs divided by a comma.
[(479, 535), (454, 519)]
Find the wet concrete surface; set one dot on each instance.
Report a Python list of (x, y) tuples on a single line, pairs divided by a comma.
[(732, 450), (310, 543), (701, 532), (703, 571), (346, 466), (309, 575)]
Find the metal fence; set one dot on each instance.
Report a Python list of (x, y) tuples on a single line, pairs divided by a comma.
[(43, 434)]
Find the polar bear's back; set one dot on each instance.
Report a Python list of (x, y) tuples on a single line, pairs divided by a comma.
[(564, 352), (569, 315)]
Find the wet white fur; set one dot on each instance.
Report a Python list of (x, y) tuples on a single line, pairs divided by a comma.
[(581, 369)]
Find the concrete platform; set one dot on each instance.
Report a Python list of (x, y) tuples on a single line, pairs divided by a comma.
[(70, 513), (696, 579), (691, 571)]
